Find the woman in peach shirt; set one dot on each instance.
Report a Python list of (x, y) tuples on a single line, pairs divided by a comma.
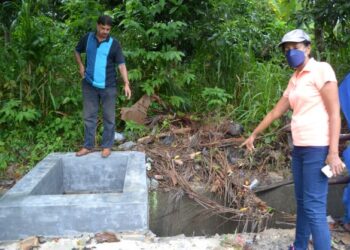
[(312, 94)]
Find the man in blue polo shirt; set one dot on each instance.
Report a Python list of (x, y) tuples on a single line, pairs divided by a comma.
[(103, 55)]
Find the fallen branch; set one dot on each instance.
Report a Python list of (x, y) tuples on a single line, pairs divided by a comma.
[(224, 142), (215, 207), (175, 131)]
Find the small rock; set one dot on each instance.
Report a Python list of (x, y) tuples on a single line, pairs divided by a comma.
[(136, 237), (127, 145), (275, 177), (234, 155), (29, 243), (119, 137), (41, 239), (106, 237), (168, 140), (154, 184), (158, 177), (235, 129), (150, 234)]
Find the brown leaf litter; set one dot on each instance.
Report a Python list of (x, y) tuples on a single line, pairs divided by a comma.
[(190, 153)]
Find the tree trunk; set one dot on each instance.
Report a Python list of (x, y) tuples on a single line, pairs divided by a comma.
[(319, 37), (319, 29), (6, 35)]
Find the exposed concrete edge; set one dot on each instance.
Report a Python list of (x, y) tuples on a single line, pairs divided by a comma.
[(26, 185)]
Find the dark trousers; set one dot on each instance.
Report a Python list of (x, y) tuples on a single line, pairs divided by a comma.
[(311, 189), (92, 98)]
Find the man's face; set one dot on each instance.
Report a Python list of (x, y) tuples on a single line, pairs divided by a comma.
[(103, 30)]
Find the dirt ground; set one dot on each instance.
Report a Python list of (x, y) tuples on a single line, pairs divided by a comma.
[(270, 239)]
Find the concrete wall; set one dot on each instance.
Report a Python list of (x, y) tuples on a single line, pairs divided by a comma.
[(35, 205), (93, 175)]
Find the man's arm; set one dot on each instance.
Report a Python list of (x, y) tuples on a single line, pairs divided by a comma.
[(80, 63), (81, 48), (124, 73)]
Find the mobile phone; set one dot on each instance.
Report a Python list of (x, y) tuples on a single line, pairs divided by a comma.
[(327, 171)]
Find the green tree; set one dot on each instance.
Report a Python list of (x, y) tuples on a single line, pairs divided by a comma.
[(150, 37), (330, 21)]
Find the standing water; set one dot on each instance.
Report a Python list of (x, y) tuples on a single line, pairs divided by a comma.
[(173, 215)]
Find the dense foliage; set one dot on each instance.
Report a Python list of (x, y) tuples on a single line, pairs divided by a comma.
[(213, 56)]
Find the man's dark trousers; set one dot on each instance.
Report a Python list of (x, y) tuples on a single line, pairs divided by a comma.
[(92, 97)]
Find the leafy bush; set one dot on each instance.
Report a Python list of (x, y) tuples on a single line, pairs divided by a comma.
[(215, 98), (15, 112), (134, 131), (153, 57)]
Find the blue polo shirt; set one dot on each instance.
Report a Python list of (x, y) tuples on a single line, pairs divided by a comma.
[(101, 59)]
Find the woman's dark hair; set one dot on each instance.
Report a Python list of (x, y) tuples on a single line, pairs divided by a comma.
[(306, 43), (105, 20)]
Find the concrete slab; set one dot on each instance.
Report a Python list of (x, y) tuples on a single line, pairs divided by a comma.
[(65, 195)]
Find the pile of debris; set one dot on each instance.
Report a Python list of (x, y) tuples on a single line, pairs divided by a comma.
[(191, 154), (210, 155)]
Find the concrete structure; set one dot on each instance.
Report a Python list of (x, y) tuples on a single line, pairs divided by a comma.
[(68, 195)]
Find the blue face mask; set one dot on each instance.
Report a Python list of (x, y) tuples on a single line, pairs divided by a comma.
[(295, 57)]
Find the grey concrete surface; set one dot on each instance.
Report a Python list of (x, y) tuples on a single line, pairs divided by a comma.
[(282, 199), (65, 195)]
